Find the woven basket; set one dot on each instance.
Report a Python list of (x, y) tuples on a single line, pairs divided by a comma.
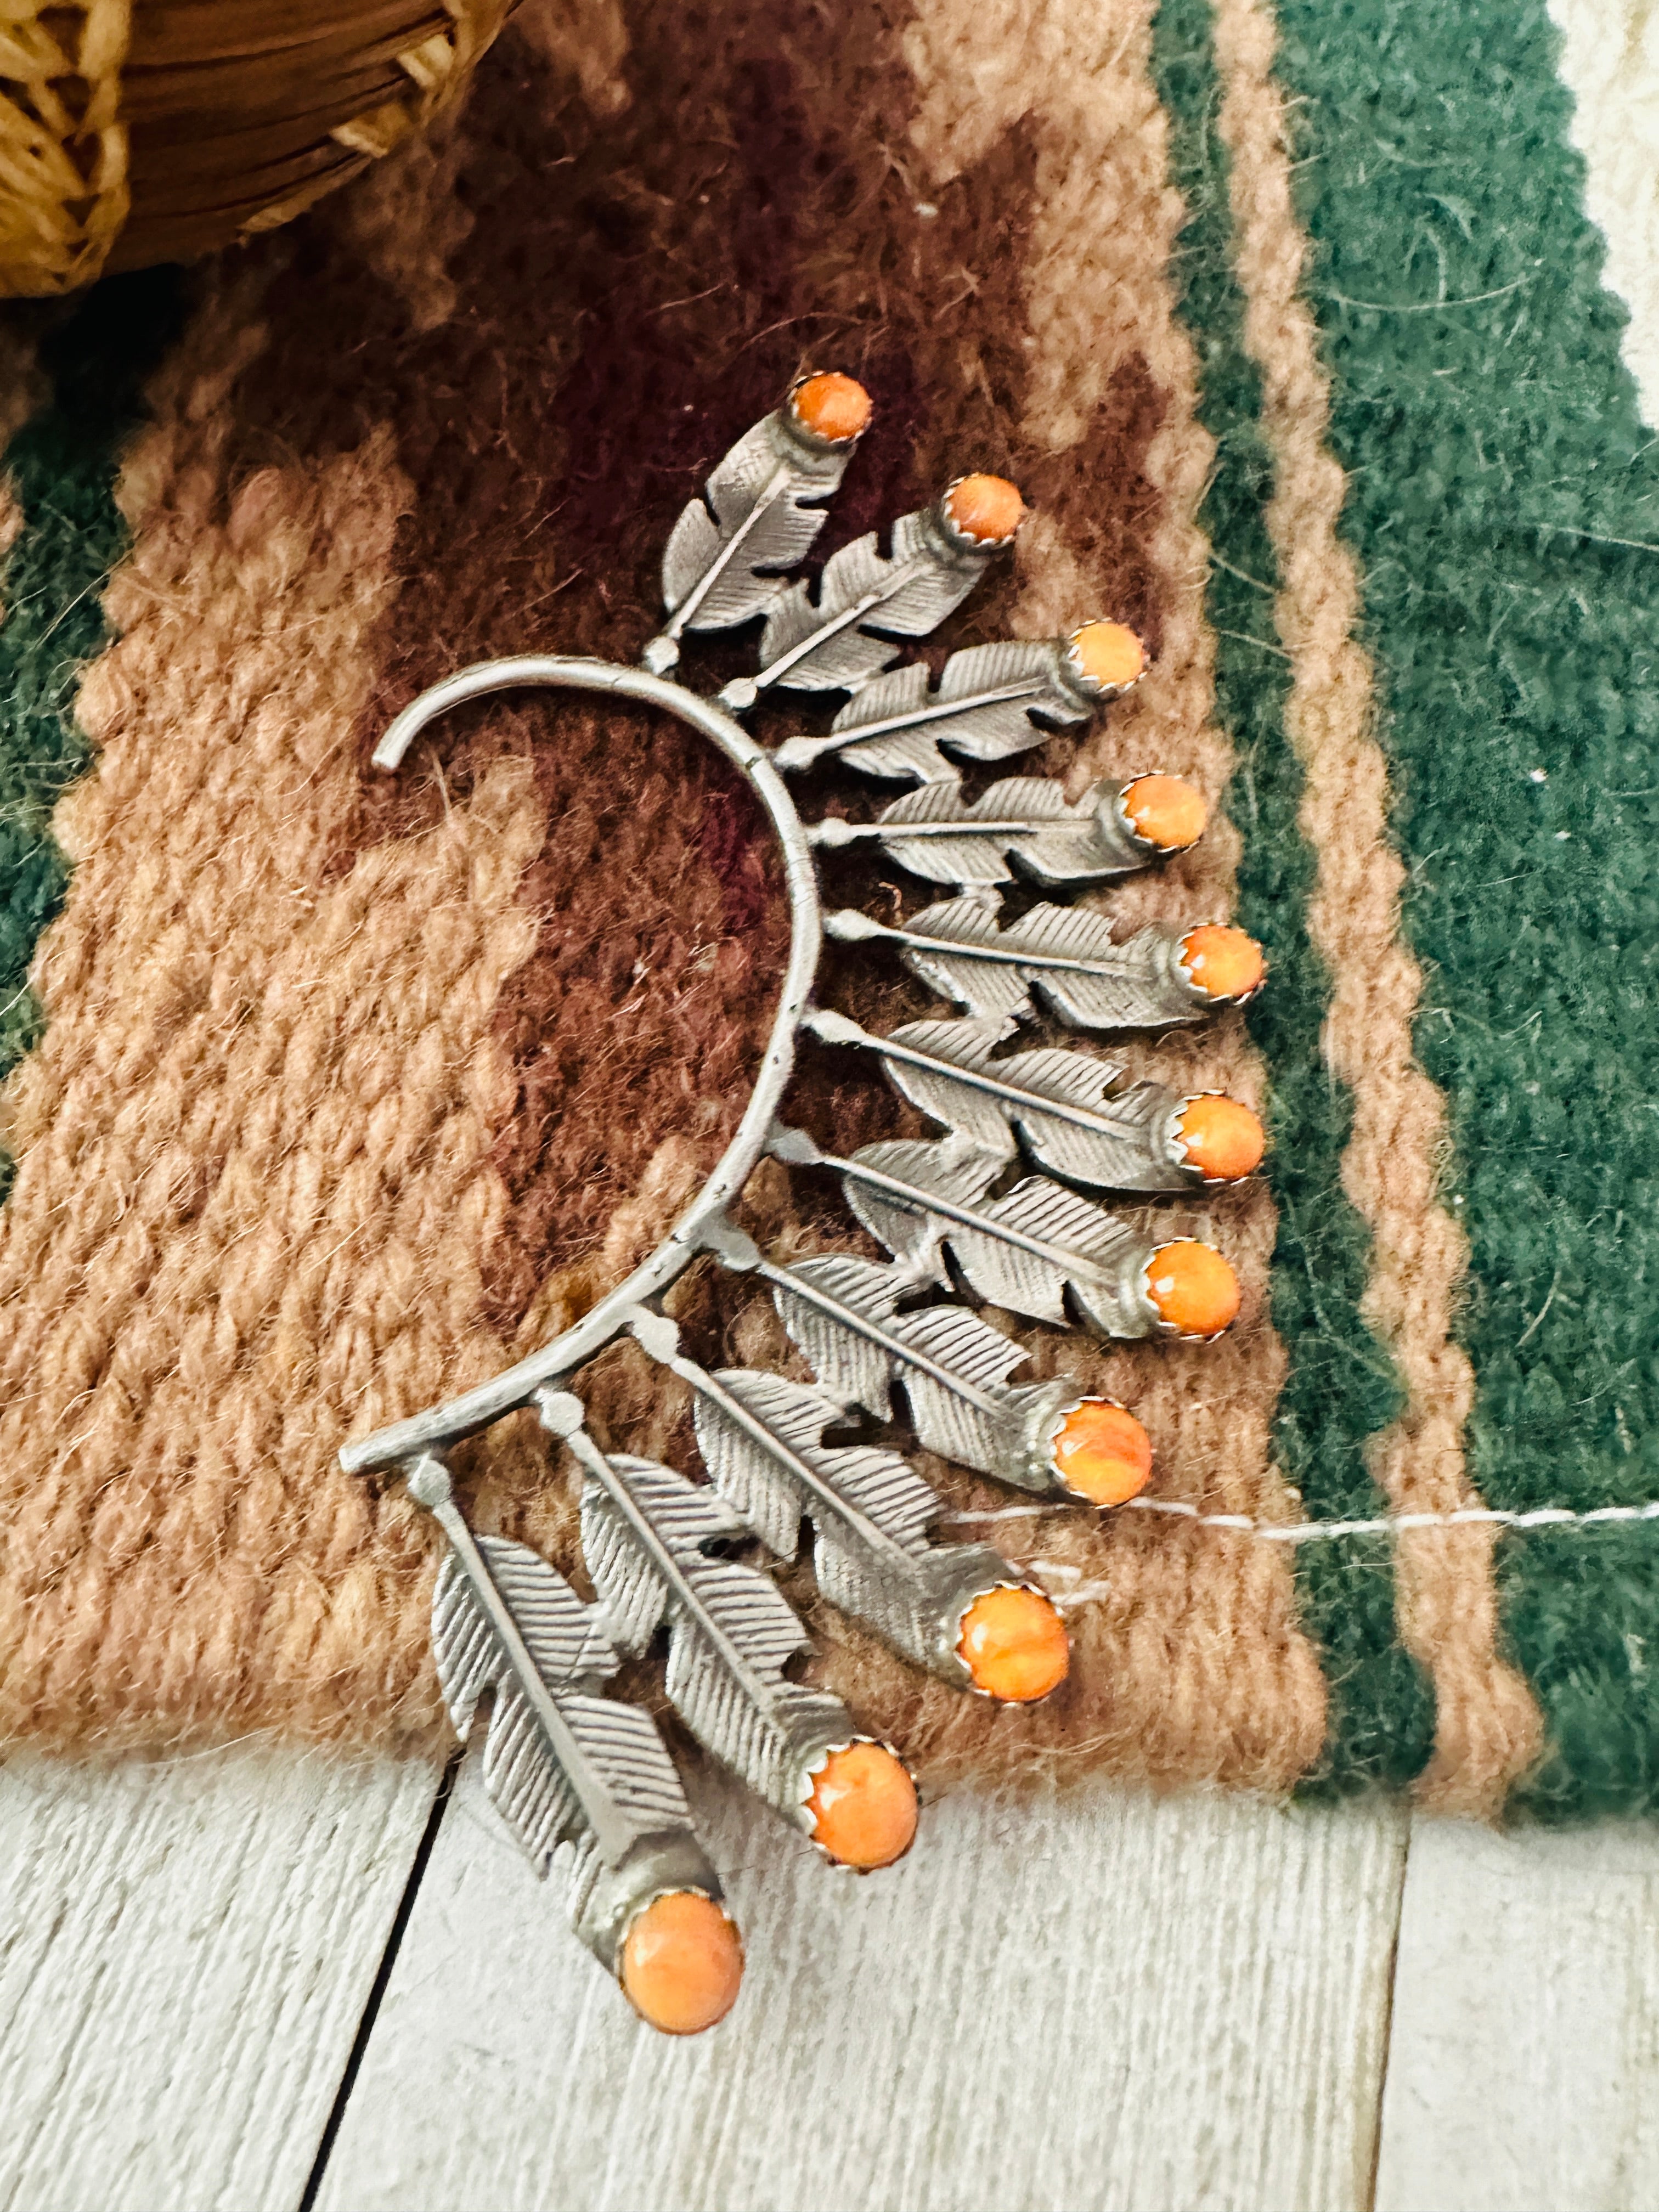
[(134, 131)]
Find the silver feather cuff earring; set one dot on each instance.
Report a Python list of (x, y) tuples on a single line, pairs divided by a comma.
[(992, 1209)]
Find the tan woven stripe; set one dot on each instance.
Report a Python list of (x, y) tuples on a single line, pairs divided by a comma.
[(64, 192), (254, 1180), (1487, 1727), (1209, 1673)]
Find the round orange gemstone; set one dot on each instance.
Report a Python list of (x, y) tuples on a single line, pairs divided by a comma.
[(1013, 1644), (988, 509), (1102, 1452), (1109, 652), (862, 1807), (831, 406), (1223, 1140), (1192, 1287), (1165, 810), (1224, 963), (681, 1963)]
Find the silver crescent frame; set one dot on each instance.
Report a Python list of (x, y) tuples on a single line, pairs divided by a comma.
[(440, 1426)]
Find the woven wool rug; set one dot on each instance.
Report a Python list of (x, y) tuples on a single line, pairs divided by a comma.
[(329, 1095)]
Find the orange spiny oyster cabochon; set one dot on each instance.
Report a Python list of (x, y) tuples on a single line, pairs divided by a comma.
[(1223, 962), (1101, 1452), (1221, 1139), (832, 407), (682, 1962), (1108, 653), (1164, 810), (987, 509), (863, 1806), (1013, 1644), (1192, 1287)]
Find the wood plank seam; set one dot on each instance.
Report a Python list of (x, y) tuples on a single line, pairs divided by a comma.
[(382, 1977), (1390, 1978), (186, 1946)]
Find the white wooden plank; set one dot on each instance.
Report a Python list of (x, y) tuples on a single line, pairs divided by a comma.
[(1610, 62), (1100, 2000), (1523, 2065), (185, 1952)]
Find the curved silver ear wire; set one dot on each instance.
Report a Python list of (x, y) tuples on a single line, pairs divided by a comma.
[(564, 1762), (476, 1408)]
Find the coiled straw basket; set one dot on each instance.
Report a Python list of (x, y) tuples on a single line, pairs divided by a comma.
[(134, 131)]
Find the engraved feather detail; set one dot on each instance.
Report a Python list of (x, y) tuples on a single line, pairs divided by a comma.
[(1060, 1103), (760, 1437), (620, 1752), (646, 1538), (1028, 1250), (1023, 822), (952, 1367), (830, 641), (759, 514), (980, 710), (1068, 957), (562, 1763)]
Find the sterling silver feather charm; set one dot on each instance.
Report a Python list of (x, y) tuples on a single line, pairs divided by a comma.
[(1009, 1205)]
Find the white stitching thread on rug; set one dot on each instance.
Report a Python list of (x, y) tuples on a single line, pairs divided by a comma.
[(1312, 1532), (1300, 1532)]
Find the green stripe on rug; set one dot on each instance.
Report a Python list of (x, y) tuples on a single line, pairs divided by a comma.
[(1341, 1387), (62, 466), (1495, 459)]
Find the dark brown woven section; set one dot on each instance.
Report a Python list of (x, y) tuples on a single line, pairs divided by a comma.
[(609, 351)]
